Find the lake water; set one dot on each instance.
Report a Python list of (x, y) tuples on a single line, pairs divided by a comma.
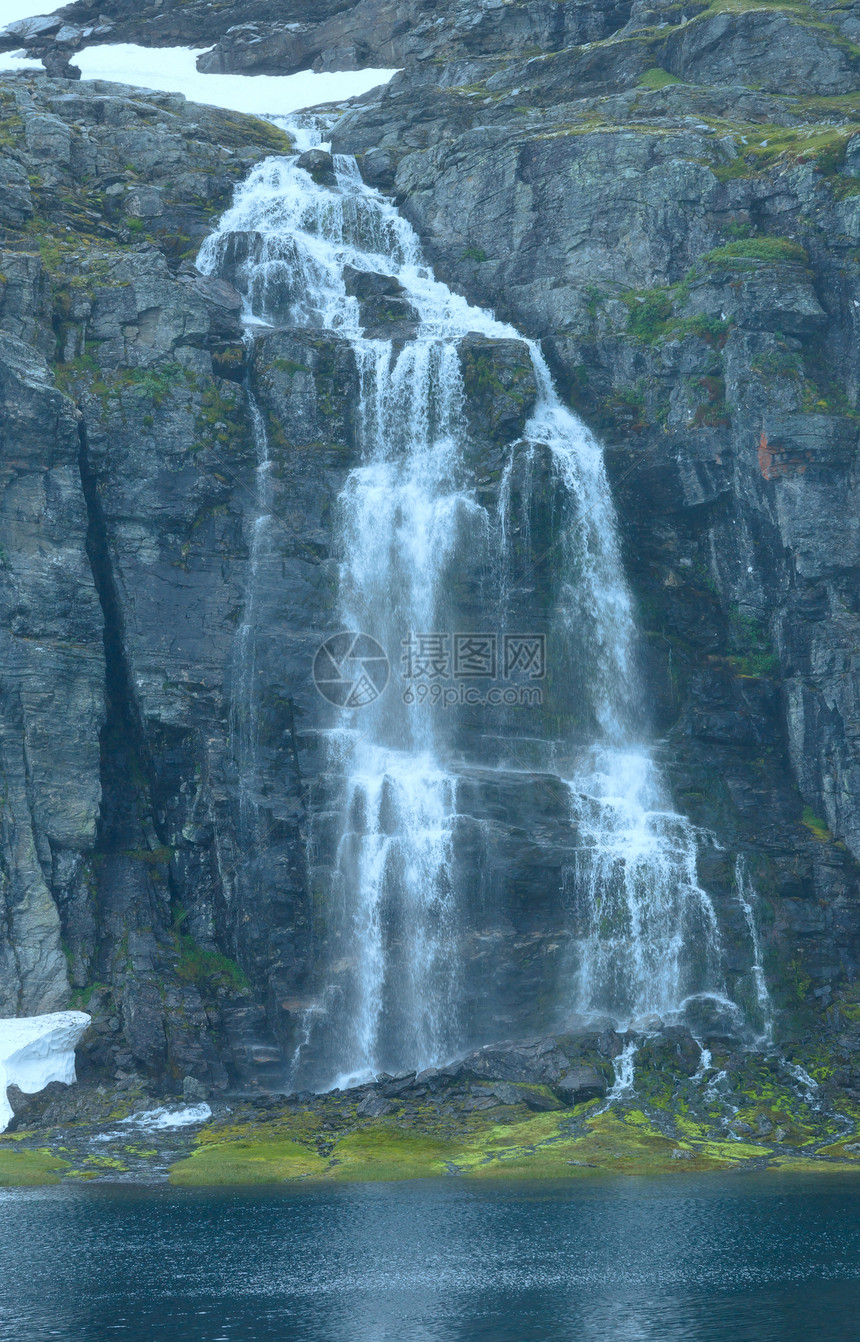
[(717, 1259)]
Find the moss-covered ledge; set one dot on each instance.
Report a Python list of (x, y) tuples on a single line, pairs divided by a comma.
[(532, 1146)]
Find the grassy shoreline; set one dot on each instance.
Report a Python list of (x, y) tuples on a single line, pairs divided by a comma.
[(305, 1146)]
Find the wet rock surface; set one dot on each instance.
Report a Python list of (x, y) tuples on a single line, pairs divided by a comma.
[(557, 1107), (110, 339)]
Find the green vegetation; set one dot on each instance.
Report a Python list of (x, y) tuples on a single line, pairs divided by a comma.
[(19, 1169), (653, 317), (534, 1147), (674, 1124), (220, 420), (207, 970), (290, 366), (238, 130), (80, 999), (487, 380), (584, 1143), (154, 383), (761, 1118), (650, 314), (756, 249), (753, 654), (657, 78), (817, 828), (246, 1162), (387, 1152), (760, 149), (798, 981)]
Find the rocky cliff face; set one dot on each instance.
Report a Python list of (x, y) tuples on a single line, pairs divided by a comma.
[(670, 202), (123, 445)]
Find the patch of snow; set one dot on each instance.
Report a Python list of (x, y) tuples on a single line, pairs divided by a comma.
[(35, 1050), (18, 60), (173, 70), (155, 1120)]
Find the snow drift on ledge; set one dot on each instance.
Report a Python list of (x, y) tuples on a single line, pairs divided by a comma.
[(35, 1050)]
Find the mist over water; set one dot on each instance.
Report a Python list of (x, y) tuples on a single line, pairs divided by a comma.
[(642, 933)]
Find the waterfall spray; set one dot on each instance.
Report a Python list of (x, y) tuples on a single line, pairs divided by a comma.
[(643, 933)]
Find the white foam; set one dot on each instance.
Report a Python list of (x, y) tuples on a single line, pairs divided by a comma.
[(624, 1067), (35, 1050), (157, 1120)]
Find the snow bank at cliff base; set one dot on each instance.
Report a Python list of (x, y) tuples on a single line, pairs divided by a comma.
[(35, 1050)]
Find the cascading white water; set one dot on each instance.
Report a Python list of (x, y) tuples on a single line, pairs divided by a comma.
[(244, 699), (748, 900), (649, 933), (644, 932)]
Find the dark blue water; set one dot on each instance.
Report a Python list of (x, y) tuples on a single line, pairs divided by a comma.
[(703, 1260)]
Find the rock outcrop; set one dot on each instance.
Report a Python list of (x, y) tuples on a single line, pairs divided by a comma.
[(115, 422)]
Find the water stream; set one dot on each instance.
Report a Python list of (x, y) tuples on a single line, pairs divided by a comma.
[(244, 701), (641, 935)]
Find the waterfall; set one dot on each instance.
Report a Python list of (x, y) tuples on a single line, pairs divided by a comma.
[(649, 937), (748, 900), (642, 934), (244, 699)]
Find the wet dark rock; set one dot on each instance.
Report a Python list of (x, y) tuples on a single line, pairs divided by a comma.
[(382, 298), (503, 1091), (500, 385), (399, 1085), (733, 465), (378, 167), (57, 64), (712, 1020), (194, 1091), (320, 166), (394, 32), (581, 1084), (374, 1106), (675, 1050), (762, 50), (85, 863)]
